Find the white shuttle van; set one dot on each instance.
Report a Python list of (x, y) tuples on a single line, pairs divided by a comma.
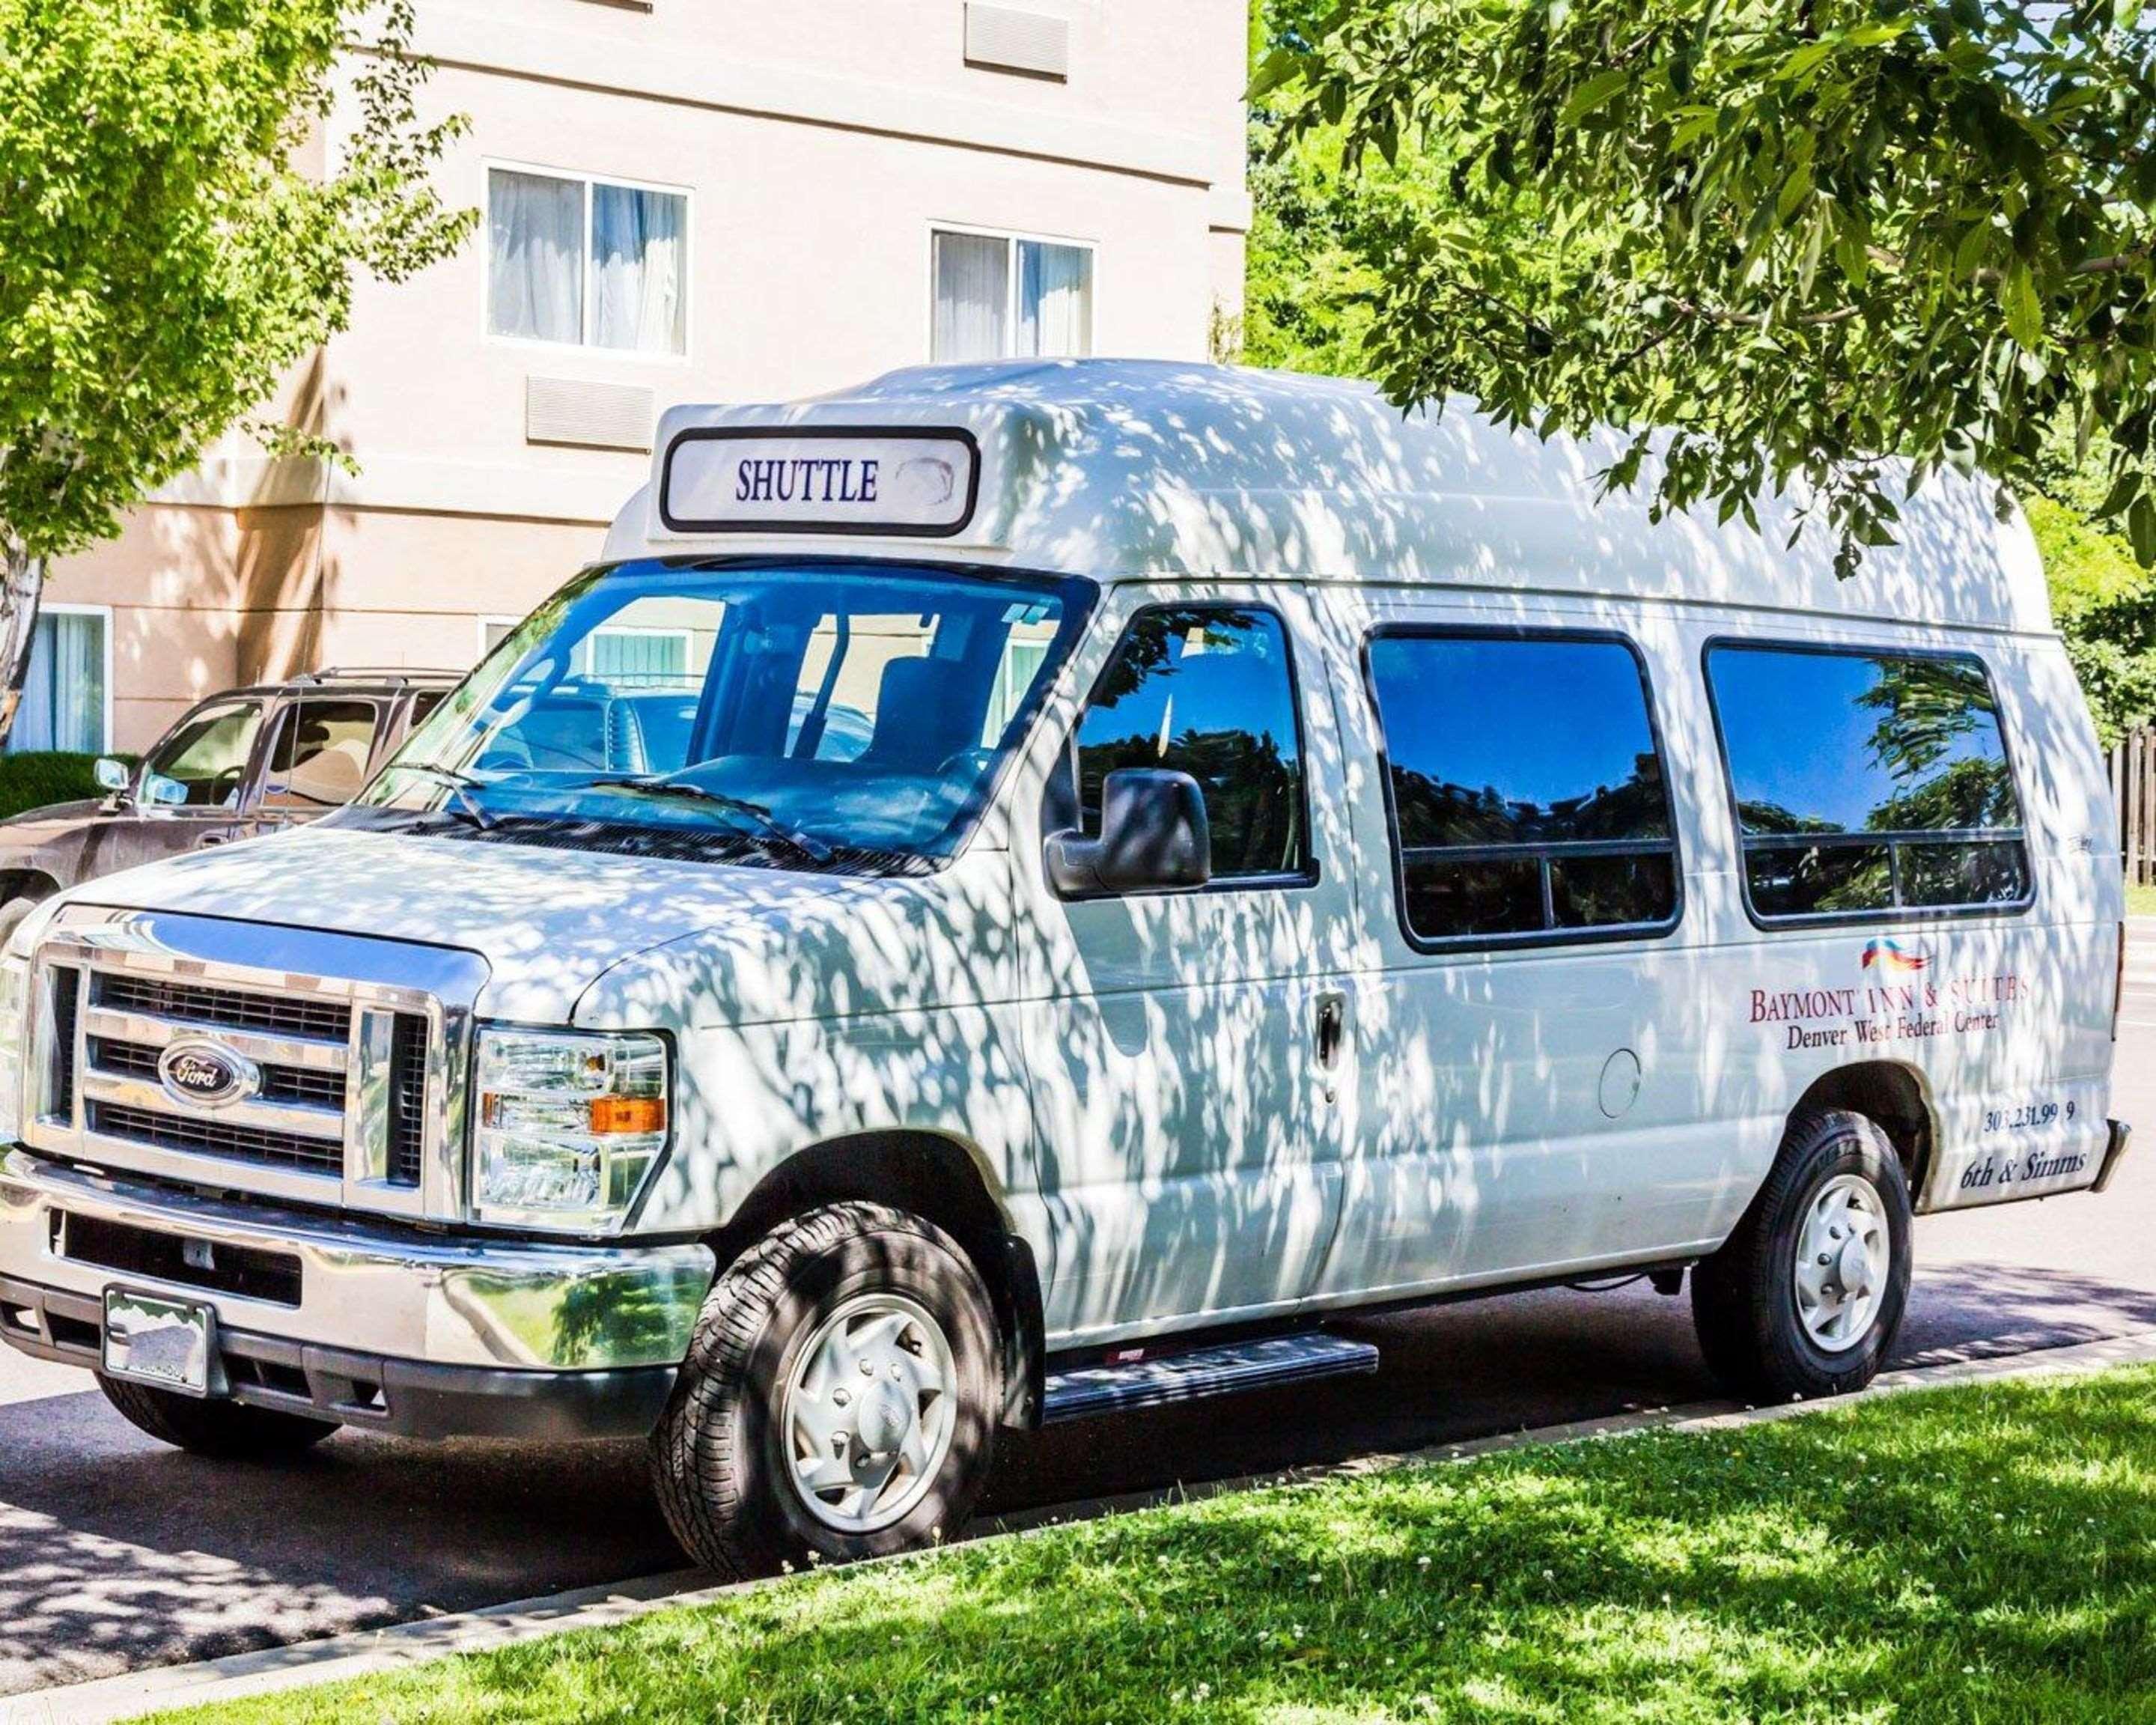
[(1021, 891)]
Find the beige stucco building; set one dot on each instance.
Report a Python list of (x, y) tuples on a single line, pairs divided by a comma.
[(682, 199)]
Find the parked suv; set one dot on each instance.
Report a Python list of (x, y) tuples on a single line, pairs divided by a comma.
[(244, 763)]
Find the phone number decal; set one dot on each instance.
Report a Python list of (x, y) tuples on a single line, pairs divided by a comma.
[(2029, 1116)]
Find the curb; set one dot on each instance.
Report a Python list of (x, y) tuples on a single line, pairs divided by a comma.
[(366, 1652)]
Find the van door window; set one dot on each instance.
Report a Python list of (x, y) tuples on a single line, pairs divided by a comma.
[(1209, 692), (320, 758), (1867, 781), (1526, 789)]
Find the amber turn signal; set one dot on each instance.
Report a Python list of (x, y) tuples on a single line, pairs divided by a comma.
[(637, 1115)]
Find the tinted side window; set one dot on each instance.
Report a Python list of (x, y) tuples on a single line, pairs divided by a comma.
[(1209, 691), (321, 754), (1527, 793), (1868, 781)]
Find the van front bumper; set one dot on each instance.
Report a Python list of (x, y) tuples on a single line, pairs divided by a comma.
[(374, 1325)]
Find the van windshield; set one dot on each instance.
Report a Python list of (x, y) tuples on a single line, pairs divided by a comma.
[(821, 715)]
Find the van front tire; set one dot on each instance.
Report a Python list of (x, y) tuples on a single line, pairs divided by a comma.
[(839, 1398), (222, 1430), (1806, 1297)]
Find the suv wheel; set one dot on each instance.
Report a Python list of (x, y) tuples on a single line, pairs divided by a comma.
[(1807, 1296), (228, 1431), (839, 1399)]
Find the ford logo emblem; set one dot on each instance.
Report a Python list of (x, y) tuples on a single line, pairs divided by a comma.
[(205, 1074)]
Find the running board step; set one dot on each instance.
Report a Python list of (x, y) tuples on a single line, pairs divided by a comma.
[(1224, 1370)]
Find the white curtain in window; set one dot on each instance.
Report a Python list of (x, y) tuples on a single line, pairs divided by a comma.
[(639, 293), (536, 256), (973, 297), (1054, 300), (634, 658), (63, 695)]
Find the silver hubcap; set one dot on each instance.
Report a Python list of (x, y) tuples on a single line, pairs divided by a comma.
[(869, 1413), (1844, 1252)]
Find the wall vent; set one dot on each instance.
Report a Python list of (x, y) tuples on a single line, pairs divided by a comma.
[(594, 416), (1004, 39)]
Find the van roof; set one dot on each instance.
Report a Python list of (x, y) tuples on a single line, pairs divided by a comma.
[(1123, 468)]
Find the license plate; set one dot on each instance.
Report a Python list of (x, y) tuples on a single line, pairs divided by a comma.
[(170, 1344)]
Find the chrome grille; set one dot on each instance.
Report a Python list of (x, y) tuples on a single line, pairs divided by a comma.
[(66, 999), (280, 1084), (407, 1099), (350, 1055), (228, 1008), (217, 1137)]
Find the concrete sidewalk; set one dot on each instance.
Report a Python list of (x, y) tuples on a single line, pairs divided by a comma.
[(341, 1657)]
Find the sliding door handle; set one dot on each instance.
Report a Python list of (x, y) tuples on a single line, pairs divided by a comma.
[(1332, 1028)]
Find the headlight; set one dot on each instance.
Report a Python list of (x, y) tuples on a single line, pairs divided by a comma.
[(14, 990), (569, 1126)]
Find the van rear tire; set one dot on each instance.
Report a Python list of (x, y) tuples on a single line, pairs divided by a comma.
[(1806, 1297), (840, 1399)]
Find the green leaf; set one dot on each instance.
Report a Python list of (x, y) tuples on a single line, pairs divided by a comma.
[(1592, 94), (1803, 61), (2140, 530), (1879, 32), (1280, 67), (2024, 311), (1796, 190), (2124, 489)]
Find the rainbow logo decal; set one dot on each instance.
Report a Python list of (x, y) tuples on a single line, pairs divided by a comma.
[(1891, 958)]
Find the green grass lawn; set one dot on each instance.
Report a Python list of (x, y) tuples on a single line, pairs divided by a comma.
[(2141, 901), (1982, 1554)]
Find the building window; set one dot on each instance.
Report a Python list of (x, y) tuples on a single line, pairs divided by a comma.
[(638, 658), (1002, 298), (1868, 782), (67, 696), (1527, 793), (586, 263), (1209, 691)]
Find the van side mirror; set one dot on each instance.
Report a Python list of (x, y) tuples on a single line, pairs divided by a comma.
[(1154, 837), (111, 775)]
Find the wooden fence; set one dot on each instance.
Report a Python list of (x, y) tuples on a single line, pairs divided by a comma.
[(2134, 787)]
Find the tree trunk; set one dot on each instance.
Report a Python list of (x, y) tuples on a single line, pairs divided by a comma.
[(25, 584)]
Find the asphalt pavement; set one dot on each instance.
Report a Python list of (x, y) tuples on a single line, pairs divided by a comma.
[(116, 1553)]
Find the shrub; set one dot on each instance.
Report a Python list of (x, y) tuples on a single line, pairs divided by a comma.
[(35, 778), (2106, 606)]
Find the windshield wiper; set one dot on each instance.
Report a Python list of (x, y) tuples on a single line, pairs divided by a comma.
[(463, 805), (767, 824)]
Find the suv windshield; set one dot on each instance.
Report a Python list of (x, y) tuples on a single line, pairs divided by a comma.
[(801, 715), (205, 754)]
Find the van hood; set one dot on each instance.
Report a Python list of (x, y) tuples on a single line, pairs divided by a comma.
[(548, 922)]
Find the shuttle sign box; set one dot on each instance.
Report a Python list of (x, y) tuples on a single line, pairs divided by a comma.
[(821, 480)]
